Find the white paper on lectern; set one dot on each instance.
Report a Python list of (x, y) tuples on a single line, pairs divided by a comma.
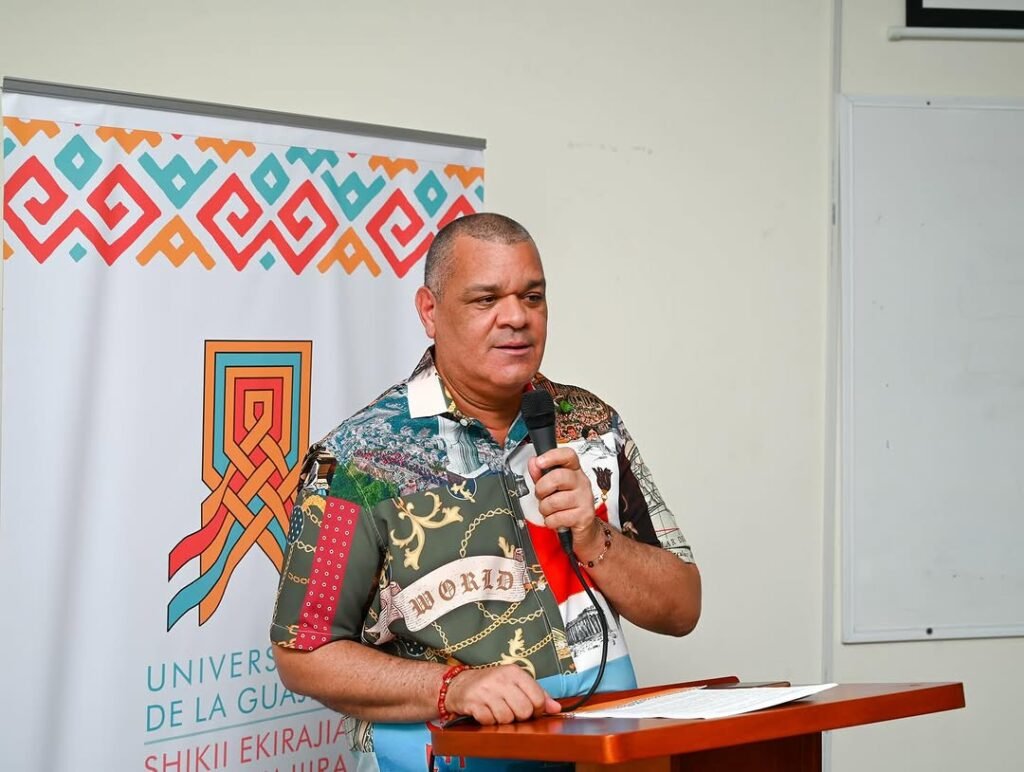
[(705, 703)]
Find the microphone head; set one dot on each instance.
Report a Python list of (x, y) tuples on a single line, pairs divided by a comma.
[(538, 409)]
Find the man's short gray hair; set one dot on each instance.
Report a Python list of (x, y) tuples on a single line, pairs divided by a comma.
[(486, 226)]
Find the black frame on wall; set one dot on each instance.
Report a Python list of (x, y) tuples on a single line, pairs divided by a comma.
[(918, 15)]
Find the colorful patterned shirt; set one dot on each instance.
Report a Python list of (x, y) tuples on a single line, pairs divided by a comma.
[(415, 532)]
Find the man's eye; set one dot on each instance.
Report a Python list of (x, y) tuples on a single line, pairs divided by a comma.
[(535, 297), (486, 300)]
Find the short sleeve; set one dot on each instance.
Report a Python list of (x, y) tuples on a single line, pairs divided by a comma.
[(331, 565), (642, 511)]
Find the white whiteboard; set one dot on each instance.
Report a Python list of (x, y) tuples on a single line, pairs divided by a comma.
[(932, 235)]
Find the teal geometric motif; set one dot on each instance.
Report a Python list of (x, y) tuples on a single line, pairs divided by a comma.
[(312, 158), (177, 180), (267, 260), (256, 505), (352, 195), (270, 179), (9, 145), (479, 192), (77, 161), (78, 252), (431, 193)]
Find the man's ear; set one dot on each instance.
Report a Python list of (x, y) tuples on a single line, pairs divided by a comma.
[(426, 305)]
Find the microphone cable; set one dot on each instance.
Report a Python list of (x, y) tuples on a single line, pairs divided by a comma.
[(605, 635)]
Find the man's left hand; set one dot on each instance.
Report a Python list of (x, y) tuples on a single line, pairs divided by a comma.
[(565, 496)]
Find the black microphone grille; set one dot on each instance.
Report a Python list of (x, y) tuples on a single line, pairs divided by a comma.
[(538, 409)]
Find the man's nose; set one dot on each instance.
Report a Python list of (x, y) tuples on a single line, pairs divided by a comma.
[(511, 312)]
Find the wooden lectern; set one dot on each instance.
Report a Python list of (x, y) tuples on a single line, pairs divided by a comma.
[(786, 738)]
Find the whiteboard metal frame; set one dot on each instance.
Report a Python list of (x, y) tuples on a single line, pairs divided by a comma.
[(896, 34)]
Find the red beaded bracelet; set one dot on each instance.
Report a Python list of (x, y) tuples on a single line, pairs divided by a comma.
[(446, 679)]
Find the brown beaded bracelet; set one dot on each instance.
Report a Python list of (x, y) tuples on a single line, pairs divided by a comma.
[(599, 558), (446, 679)]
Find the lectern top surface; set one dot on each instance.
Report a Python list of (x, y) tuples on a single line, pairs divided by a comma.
[(612, 740)]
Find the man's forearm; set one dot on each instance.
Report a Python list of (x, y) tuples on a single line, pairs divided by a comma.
[(355, 679), (649, 586), (368, 684)]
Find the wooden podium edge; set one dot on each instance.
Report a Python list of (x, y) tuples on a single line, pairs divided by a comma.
[(644, 691), (656, 737)]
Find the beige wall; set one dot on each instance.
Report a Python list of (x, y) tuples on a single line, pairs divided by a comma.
[(874, 65), (985, 736), (673, 161)]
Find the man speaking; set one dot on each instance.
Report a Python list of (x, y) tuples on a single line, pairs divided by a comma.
[(424, 578)]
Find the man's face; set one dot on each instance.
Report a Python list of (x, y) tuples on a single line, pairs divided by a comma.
[(490, 324)]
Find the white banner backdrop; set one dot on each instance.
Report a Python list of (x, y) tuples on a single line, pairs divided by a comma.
[(187, 303)]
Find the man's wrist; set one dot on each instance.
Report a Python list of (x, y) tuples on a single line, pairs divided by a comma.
[(442, 694), (595, 548)]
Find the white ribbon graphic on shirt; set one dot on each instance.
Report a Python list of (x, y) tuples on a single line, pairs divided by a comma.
[(484, 577)]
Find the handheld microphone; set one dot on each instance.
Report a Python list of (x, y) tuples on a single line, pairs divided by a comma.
[(539, 414)]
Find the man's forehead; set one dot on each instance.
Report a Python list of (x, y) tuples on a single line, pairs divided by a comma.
[(466, 245), (495, 260)]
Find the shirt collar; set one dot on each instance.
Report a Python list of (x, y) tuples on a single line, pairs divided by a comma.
[(427, 394)]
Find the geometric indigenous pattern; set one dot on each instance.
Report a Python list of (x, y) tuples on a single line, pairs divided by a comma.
[(76, 191), (255, 430)]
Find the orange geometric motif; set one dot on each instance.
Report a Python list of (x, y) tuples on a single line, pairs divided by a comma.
[(226, 148), (349, 252), (393, 166), (177, 243), (466, 174), (128, 139), (86, 191), (255, 432), (27, 129)]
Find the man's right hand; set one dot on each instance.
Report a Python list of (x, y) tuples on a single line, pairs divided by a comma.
[(498, 695)]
